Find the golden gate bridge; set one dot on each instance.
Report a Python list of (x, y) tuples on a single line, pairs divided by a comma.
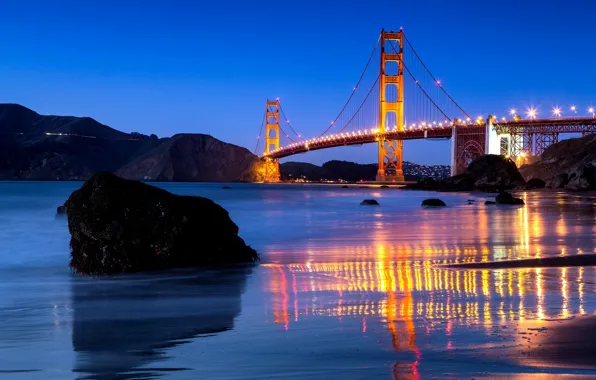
[(403, 100)]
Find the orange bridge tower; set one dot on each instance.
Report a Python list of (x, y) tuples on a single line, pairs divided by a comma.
[(272, 141), (391, 109)]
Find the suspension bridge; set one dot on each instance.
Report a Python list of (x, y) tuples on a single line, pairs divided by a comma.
[(403, 100)]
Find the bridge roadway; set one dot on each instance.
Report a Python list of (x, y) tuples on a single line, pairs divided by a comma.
[(356, 138), (558, 125)]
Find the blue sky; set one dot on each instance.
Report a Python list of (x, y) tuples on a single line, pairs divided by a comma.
[(175, 66)]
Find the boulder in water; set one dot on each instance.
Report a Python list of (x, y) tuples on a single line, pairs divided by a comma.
[(433, 202), (505, 198), (369, 202), (123, 226), (61, 210)]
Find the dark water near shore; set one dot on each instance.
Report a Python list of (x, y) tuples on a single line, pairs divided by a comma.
[(342, 292)]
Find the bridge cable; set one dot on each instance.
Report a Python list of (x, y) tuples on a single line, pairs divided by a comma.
[(288, 122), (361, 104), (418, 84), (432, 76), (355, 87)]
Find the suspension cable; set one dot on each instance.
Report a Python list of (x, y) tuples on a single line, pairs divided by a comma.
[(288, 122), (362, 104), (431, 75), (288, 136), (355, 87), (418, 83)]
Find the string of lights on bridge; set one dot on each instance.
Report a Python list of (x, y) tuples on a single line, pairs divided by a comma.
[(531, 114)]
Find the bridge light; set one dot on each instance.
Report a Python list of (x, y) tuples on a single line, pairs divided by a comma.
[(468, 119), (512, 112), (573, 109), (591, 111), (532, 113), (557, 112), (503, 118), (438, 82)]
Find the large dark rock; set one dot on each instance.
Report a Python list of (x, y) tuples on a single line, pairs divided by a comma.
[(490, 172), (433, 203), (505, 198), (121, 226), (569, 164)]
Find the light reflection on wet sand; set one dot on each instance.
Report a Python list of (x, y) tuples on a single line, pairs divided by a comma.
[(398, 288)]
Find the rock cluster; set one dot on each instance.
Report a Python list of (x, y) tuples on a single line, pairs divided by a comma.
[(490, 173), (121, 226)]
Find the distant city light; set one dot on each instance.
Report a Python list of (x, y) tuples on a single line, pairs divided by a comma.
[(532, 113)]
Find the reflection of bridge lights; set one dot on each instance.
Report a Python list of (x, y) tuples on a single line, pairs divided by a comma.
[(532, 113), (557, 112)]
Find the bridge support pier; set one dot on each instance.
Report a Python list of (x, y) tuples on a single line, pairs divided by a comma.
[(272, 141), (390, 151), (390, 161)]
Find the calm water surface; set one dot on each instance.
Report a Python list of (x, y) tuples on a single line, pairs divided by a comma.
[(342, 291)]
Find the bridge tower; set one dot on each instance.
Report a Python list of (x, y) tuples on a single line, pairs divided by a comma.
[(272, 141), (391, 110)]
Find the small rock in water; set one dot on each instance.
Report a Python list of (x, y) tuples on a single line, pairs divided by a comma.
[(433, 202), (369, 202), (490, 203), (505, 198), (226, 188), (61, 210)]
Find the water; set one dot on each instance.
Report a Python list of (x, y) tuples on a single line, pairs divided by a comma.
[(342, 292)]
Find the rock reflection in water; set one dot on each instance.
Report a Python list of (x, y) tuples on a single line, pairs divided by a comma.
[(123, 323)]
